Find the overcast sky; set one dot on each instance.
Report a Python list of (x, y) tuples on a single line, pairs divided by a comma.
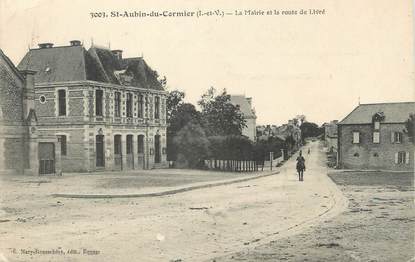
[(318, 66)]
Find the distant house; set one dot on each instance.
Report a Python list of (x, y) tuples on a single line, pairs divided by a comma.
[(374, 136), (245, 106), (330, 135)]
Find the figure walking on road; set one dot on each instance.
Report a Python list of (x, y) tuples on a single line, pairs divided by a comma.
[(300, 167)]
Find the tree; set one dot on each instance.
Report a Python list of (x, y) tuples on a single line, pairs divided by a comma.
[(174, 99), (220, 116), (192, 145), (410, 126), (182, 115), (309, 129), (300, 119)]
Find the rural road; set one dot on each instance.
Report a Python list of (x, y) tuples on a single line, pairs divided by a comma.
[(192, 226)]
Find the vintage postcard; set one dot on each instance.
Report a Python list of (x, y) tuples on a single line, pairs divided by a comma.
[(187, 130)]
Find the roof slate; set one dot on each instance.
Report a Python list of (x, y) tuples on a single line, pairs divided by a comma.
[(74, 63), (394, 113)]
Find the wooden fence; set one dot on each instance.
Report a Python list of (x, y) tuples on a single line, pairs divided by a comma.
[(234, 165)]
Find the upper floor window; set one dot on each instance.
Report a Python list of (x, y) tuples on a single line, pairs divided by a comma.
[(377, 125), (396, 137), (62, 102), (356, 137), (98, 102), (62, 141), (129, 105), (117, 104), (376, 137), (157, 107), (140, 106)]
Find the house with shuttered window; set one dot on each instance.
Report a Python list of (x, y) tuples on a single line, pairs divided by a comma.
[(374, 136)]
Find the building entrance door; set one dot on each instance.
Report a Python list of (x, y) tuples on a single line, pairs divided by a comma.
[(100, 155), (46, 154), (157, 153), (117, 152), (130, 152), (140, 152)]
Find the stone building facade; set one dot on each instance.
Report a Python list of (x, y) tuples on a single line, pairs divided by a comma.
[(330, 135), (23, 149), (245, 106), (107, 112), (374, 136)]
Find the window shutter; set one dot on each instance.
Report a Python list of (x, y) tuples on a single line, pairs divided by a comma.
[(392, 137), (396, 158), (407, 158)]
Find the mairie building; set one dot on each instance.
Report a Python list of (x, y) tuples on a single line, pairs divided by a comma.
[(106, 112)]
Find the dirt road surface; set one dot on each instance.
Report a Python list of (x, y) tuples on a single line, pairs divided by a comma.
[(192, 226)]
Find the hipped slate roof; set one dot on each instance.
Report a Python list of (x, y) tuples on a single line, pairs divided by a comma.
[(393, 112), (11, 65), (244, 105), (74, 63)]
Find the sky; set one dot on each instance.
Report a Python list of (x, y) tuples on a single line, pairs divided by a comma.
[(320, 66)]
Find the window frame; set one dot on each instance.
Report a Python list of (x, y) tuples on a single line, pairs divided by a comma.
[(401, 157), (62, 101), (129, 105), (358, 137), (378, 137), (157, 107), (117, 104), (99, 104), (63, 140), (398, 137), (140, 107)]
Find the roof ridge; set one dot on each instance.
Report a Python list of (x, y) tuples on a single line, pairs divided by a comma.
[(349, 114), (54, 47), (385, 103)]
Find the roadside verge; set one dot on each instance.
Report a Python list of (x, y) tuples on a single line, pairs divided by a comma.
[(165, 192)]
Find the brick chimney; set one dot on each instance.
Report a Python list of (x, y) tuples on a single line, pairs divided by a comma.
[(45, 45), (117, 53), (28, 92)]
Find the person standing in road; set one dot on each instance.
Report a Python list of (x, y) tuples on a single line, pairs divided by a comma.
[(300, 166)]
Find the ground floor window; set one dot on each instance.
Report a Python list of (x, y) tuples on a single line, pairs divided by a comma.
[(129, 144), (140, 144), (117, 144), (402, 158), (62, 140)]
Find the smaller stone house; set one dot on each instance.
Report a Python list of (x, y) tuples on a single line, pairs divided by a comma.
[(23, 150), (374, 136), (245, 106)]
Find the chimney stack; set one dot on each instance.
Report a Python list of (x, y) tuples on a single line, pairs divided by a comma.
[(45, 45), (249, 99), (28, 92), (75, 43), (117, 53)]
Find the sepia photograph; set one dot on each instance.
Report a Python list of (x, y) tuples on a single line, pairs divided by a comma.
[(213, 131)]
